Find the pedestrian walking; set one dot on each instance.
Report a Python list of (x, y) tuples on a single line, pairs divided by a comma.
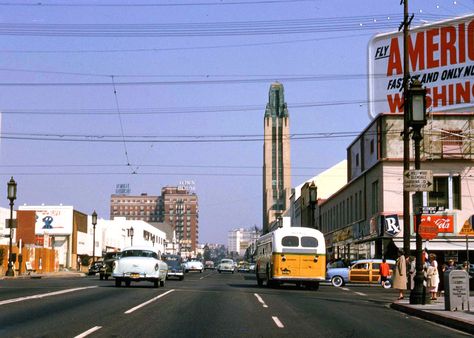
[(384, 270), (432, 276), (400, 274)]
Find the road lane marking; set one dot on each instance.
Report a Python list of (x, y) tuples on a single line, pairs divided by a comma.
[(43, 295), (277, 322), (210, 274), (260, 300), (148, 302), (345, 289), (88, 332), (360, 293)]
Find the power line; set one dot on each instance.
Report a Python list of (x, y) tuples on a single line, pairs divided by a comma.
[(118, 4), (177, 110), (236, 28)]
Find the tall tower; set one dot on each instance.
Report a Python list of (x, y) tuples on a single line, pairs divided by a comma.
[(276, 157)]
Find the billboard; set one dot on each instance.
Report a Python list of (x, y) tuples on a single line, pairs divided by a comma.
[(441, 56), (54, 221)]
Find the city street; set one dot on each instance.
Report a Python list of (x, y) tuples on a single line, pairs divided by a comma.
[(205, 304)]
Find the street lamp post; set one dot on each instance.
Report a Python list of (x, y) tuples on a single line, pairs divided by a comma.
[(11, 195), (94, 223), (417, 120), (131, 236), (313, 196)]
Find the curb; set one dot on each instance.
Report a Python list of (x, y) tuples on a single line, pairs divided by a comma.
[(46, 276), (454, 323)]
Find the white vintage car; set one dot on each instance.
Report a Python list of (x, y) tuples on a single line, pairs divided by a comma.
[(226, 265), (193, 265), (139, 263)]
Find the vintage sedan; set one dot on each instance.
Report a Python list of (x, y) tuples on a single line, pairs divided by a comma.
[(193, 265), (227, 265), (139, 263)]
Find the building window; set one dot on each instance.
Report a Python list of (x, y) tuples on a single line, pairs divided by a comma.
[(446, 192), (451, 144), (372, 147), (357, 160), (375, 197)]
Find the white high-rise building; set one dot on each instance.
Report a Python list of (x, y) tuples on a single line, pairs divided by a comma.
[(238, 240)]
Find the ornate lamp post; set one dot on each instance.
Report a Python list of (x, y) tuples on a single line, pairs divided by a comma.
[(130, 231), (313, 196), (417, 120), (94, 223), (11, 195)]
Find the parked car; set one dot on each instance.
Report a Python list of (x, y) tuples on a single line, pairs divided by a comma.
[(139, 263), (175, 266), (361, 271), (193, 265), (108, 263), (95, 268), (227, 265), (209, 265)]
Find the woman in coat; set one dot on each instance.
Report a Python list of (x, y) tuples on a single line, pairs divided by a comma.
[(432, 276), (400, 274)]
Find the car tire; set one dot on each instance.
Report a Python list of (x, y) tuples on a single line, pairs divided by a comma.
[(106, 277), (219, 271), (259, 281), (181, 277), (156, 283), (101, 277), (337, 281), (127, 283), (118, 282), (200, 271)]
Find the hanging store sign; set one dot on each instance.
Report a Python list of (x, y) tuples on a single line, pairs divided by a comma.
[(444, 223), (391, 225), (441, 56)]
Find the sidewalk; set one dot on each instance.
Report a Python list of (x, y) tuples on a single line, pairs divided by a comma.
[(58, 274), (435, 312)]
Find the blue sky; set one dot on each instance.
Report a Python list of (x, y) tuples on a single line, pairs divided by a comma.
[(190, 94)]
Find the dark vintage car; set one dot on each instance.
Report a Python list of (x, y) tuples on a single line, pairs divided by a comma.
[(95, 268), (108, 265), (175, 266)]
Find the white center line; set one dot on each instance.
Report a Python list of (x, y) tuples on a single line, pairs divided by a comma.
[(49, 294), (260, 300), (147, 302), (360, 293), (88, 332), (277, 322)]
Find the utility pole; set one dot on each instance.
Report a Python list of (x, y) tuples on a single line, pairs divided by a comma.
[(406, 137)]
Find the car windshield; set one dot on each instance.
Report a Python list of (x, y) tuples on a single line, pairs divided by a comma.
[(140, 253), (174, 263), (227, 261)]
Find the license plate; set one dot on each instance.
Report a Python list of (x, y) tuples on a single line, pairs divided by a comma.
[(134, 275)]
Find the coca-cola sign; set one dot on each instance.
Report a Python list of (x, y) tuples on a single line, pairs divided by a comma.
[(445, 223)]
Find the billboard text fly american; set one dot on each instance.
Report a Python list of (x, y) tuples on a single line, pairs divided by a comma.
[(441, 56)]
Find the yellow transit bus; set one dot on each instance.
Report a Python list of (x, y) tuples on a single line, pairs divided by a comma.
[(291, 255)]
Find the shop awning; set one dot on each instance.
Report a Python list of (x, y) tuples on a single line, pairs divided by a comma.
[(439, 244)]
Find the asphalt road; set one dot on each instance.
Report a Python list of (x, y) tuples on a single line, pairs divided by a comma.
[(203, 305)]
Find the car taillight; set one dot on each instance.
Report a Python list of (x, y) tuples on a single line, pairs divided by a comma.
[(283, 258), (315, 259)]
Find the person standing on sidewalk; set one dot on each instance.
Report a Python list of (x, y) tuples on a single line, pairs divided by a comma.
[(432, 276), (400, 274), (384, 271)]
